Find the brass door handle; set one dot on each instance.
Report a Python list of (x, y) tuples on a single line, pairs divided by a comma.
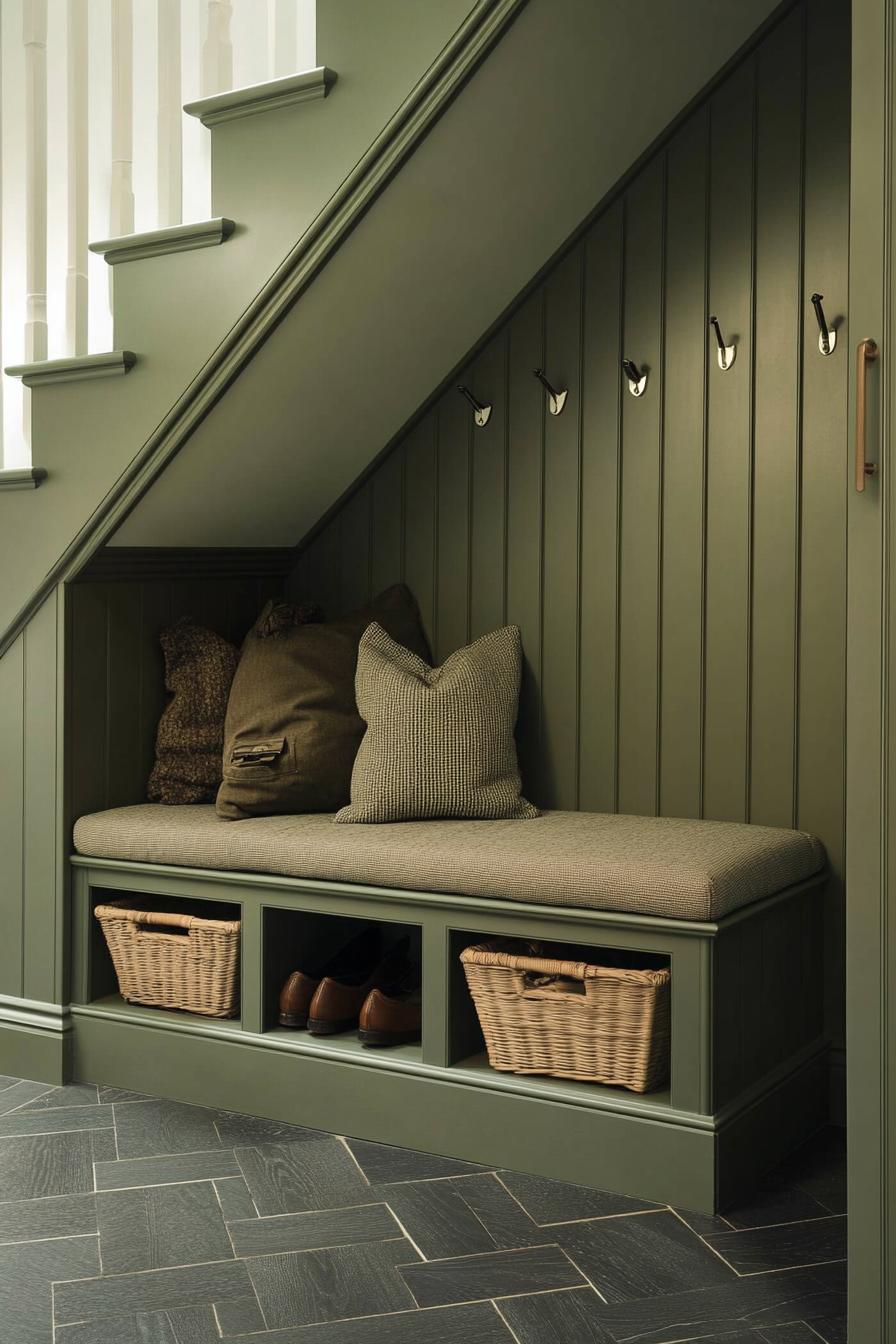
[(866, 353)]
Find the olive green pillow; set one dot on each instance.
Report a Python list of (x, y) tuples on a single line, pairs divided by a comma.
[(439, 740), (292, 728), (199, 668)]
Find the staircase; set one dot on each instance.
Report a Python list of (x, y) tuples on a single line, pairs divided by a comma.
[(410, 187)]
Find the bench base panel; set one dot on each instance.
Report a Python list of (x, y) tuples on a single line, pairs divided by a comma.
[(692, 1167)]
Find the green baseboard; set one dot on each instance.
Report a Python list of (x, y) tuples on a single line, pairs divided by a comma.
[(35, 1040), (686, 1161)]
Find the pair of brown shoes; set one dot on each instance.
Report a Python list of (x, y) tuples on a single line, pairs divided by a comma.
[(381, 998)]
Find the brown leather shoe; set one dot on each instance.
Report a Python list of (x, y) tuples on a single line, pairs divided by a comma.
[(337, 1002), (351, 961), (295, 999), (388, 1019)]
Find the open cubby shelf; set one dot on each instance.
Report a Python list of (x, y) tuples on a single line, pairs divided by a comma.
[(726, 1114)]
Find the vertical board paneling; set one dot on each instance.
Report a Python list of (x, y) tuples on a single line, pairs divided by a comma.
[(822, 670), (676, 563), (562, 492), (779, 127), (40, 793), (599, 565), (729, 456), (12, 718), (124, 648), (453, 521), (420, 519), (489, 495), (354, 571), (155, 606), (641, 487), (681, 713), (386, 543), (525, 469), (87, 727)]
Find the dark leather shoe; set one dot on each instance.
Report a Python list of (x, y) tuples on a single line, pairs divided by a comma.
[(350, 961), (388, 1019), (337, 1001)]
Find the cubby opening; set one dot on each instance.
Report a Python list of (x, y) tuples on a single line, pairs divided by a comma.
[(466, 1041), (306, 940), (102, 981)]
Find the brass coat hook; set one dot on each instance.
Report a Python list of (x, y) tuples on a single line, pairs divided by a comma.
[(481, 410), (727, 353), (637, 380), (556, 399), (827, 336)]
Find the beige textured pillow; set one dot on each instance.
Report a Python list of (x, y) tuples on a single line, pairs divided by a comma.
[(439, 740)]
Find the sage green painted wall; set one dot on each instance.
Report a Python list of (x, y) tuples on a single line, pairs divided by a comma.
[(33, 875), (677, 563), (539, 133)]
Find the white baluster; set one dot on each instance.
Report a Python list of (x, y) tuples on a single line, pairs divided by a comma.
[(285, 38), (170, 115), (121, 203), (34, 37), (78, 179), (217, 49)]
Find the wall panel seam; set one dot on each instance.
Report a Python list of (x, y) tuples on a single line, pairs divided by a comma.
[(751, 439), (661, 482)]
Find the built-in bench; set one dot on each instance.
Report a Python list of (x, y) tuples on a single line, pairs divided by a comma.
[(733, 910)]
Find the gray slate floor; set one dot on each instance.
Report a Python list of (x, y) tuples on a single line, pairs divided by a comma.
[(129, 1220)]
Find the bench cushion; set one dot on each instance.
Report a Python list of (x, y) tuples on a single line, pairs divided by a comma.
[(677, 869)]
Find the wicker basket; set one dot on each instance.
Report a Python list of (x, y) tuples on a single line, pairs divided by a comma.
[(598, 1024), (196, 970)]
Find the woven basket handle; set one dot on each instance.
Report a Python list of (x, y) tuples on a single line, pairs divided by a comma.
[(166, 919), (162, 919)]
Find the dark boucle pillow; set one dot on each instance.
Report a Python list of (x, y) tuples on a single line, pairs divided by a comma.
[(199, 671), (293, 728), (199, 668)]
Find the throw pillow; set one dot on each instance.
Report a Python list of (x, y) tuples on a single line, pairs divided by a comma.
[(293, 729), (439, 740), (199, 668)]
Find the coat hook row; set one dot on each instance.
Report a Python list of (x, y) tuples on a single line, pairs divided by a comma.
[(827, 336), (481, 410), (727, 353), (556, 397), (637, 378)]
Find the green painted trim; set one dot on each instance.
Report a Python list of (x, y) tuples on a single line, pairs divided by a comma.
[(275, 93), (172, 879), (149, 564), (26, 1052), (159, 242), (418, 113), (35, 1040), (48, 371), (34, 1013), (512, 1122), (22, 478)]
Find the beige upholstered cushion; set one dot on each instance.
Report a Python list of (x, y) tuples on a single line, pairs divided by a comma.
[(439, 740), (698, 870)]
